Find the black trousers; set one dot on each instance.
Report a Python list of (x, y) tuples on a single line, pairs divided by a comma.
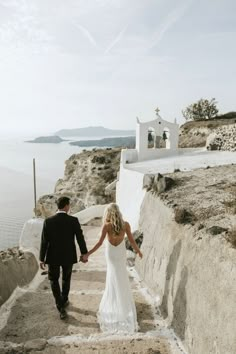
[(60, 295)]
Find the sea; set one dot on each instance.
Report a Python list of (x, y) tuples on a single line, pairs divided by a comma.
[(16, 180)]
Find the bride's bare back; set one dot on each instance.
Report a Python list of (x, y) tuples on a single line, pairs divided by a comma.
[(115, 240)]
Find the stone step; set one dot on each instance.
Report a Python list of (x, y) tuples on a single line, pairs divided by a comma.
[(39, 307), (34, 325), (116, 344)]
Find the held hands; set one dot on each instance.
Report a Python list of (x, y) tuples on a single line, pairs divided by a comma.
[(83, 258)]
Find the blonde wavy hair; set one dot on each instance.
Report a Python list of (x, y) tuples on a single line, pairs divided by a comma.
[(113, 215)]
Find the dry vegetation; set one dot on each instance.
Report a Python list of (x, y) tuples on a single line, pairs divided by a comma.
[(230, 204), (195, 133), (213, 123), (231, 237), (205, 198)]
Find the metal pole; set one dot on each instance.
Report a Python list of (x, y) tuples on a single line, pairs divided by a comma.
[(34, 173)]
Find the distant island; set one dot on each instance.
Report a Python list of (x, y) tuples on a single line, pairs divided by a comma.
[(53, 139), (125, 142), (121, 138), (94, 132)]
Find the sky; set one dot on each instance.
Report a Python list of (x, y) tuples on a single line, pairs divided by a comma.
[(78, 63)]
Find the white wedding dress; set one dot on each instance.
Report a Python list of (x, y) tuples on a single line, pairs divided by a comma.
[(117, 312)]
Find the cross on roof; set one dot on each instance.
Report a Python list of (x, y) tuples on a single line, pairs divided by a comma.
[(157, 110)]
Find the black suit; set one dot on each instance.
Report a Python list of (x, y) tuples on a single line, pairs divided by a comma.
[(58, 249)]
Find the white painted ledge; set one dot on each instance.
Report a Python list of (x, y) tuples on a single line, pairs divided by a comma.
[(32, 229), (95, 211)]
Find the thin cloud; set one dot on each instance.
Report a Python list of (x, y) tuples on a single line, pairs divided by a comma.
[(173, 17), (93, 41), (87, 34), (116, 40)]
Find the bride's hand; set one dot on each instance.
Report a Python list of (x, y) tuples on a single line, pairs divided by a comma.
[(140, 254), (84, 258)]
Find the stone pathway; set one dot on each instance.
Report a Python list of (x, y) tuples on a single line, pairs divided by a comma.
[(34, 325)]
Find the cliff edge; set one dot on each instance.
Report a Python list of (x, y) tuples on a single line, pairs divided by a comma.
[(86, 181), (189, 247)]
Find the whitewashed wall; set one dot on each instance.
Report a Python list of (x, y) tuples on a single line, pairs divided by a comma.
[(129, 195), (95, 211), (159, 125), (31, 236)]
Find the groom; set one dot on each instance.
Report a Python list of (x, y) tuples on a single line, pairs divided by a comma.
[(58, 250)]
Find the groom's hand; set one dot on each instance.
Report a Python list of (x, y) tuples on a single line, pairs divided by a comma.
[(83, 258), (42, 265)]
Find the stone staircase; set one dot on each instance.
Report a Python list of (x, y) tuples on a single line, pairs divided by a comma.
[(34, 325)]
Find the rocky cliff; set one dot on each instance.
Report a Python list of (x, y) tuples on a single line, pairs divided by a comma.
[(195, 134), (223, 138), (189, 247), (17, 268), (86, 181)]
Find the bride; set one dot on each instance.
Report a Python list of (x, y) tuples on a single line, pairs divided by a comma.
[(117, 310)]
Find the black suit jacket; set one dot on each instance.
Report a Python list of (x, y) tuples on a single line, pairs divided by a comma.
[(58, 240)]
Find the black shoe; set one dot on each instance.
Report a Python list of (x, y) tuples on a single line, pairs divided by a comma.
[(63, 314), (65, 304)]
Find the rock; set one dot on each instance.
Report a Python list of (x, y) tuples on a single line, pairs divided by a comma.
[(200, 226), (169, 183), (151, 351), (85, 180), (231, 237), (183, 216), (35, 344), (214, 142), (10, 348), (216, 230), (9, 253), (223, 138), (158, 184), (46, 205), (15, 271)]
